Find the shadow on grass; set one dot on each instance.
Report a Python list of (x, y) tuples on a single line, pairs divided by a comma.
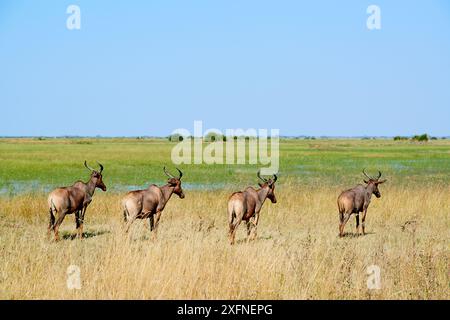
[(86, 235), (356, 235), (256, 240)]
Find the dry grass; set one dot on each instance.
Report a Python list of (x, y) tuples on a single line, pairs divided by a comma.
[(297, 254)]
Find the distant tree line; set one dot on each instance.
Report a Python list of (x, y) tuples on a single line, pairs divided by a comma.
[(419, 138), (210, 137)]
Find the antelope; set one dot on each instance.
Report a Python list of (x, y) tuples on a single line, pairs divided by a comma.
[(149, 203), (357, 200), (246, 205), (76, 198)]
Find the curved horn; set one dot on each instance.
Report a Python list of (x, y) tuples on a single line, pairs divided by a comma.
[(181, 174), (101, 166), (364, 172), (258, 174), (87, 167), (379, 174), (275, 178), (168, 173)]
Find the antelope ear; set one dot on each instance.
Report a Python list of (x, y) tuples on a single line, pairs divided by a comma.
[(366, 182), (382, 181), (260, 184)]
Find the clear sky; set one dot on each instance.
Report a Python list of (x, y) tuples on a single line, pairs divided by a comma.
[(149, 67)]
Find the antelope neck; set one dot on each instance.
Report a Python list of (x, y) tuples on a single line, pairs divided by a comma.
[(369, 189), (262, 194), (90, 187), (167, 191)]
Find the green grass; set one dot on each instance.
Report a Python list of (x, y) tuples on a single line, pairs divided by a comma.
[(297, 254), (40, 164)]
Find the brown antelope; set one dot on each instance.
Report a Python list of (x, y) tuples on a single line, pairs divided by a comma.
[(150, 203), (75, 198), (246, 205), (357, 200)]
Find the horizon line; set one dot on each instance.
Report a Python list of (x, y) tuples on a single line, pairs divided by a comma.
[(166, 137)]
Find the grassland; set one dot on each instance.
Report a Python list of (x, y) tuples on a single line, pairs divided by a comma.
[(297, 254)]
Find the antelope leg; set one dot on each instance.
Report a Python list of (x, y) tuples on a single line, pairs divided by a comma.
[(363, 222), (344, 220), (255, 226), (357, 222), (235, 226), (129, 223), (58, 223), (78, 222), (51, 223), (151, 222)]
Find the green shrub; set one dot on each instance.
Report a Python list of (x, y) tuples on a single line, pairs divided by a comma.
[(213, 137), (400, 138), (421, 138), (176, 138)]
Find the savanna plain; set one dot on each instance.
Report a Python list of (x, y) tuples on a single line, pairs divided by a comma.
[(296, 255)]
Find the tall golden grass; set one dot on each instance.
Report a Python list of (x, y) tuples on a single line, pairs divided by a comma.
[(297, 254)]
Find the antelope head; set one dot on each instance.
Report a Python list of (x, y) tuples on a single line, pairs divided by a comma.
[(175, 182), (269, 183), (96, 176), (374, 182)]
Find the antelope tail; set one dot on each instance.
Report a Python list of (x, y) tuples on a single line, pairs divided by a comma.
[(232, 214), (340, 206), (126, 214), (52, 206)]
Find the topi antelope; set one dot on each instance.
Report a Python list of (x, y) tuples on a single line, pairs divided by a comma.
[(76, 198), (150, 203), (357, 200), (246, 205)]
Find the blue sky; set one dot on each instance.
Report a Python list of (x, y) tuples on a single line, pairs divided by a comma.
[(149, 67)]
